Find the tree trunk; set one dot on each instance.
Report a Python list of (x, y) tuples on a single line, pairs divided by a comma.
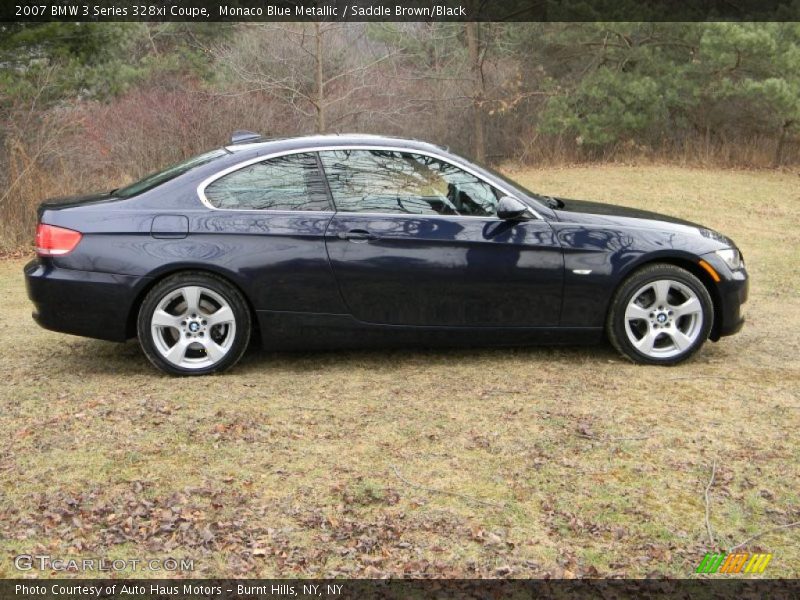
[(478, 92), (777, 161), (318, 79)]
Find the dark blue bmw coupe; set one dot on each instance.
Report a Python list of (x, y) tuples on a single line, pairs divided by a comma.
[(354, 241)]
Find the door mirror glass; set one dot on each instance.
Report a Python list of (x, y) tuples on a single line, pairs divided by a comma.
[(509, 208)]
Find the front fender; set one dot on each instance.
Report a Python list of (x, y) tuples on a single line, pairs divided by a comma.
[(597, 260)]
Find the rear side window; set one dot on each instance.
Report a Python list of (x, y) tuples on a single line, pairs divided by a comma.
[(291, 182)]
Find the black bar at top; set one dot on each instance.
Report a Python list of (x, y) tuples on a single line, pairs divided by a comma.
[(399, 10)]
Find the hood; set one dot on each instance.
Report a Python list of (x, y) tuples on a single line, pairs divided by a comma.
[(571, 206), (600, 213)]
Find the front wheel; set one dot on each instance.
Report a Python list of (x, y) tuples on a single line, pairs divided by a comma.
[(660, 315), (193, 324)]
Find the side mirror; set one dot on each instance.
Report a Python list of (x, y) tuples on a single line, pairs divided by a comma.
[(510, 208)]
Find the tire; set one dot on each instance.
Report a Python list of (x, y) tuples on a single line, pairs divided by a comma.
[(194, 324), (660, 315)]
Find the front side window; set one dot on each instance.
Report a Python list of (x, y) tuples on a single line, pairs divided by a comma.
[(291, 182), (388, 181)]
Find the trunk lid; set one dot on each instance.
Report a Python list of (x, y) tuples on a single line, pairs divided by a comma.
[(63, 202)]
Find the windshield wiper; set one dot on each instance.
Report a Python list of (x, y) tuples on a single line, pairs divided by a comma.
[(550, 201)]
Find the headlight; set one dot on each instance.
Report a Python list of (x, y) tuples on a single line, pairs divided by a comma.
[(732, 257)]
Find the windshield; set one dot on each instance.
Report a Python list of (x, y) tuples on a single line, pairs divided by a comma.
[(510, 182), (547, 200), (155, 179)]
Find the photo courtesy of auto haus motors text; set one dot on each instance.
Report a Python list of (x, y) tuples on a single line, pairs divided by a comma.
[(134, 590), (398, 299)]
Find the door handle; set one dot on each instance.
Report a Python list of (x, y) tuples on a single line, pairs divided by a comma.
[(357, 235)]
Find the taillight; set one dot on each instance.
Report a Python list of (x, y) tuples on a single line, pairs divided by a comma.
[(55, 241)]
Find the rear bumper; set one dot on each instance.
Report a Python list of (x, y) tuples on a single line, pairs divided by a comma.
[(85, 303)]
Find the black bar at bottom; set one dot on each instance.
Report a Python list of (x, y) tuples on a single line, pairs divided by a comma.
[(329, 589)]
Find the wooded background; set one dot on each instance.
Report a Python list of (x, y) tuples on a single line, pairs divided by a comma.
[(87, 106)]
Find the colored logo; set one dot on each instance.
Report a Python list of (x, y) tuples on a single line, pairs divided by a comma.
[(742, 562)]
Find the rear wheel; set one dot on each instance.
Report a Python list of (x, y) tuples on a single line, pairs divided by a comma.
[(194, 324), (660, 315)]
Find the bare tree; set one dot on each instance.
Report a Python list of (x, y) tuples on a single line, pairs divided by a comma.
[(465, 74), (322, 70), (477, 53)]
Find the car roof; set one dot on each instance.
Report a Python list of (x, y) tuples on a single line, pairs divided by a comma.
[(270, 145)]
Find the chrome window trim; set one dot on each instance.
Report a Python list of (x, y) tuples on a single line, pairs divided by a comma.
[(324, 148)]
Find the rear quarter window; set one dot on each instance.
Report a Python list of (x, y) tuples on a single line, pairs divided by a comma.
[(291, 182)]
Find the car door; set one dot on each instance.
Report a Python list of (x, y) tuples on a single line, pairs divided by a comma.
[(269, 225), (415, 240)]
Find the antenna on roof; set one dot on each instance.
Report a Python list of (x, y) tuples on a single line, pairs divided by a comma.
[(240, 136)]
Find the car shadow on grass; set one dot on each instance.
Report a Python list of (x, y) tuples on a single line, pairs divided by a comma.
[(257, 359), (86, 356)]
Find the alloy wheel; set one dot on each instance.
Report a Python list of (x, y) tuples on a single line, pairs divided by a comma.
[(193, 327), (664, 318)]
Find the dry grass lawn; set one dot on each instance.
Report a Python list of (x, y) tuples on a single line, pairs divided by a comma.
[(522, 463)]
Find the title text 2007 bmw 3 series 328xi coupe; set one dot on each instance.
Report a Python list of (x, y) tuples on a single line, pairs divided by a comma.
[(353, 241)]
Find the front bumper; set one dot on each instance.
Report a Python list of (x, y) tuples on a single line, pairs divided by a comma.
[(86, 303), (731, 294)]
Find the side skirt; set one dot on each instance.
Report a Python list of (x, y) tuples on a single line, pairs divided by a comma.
[(310, 331)]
